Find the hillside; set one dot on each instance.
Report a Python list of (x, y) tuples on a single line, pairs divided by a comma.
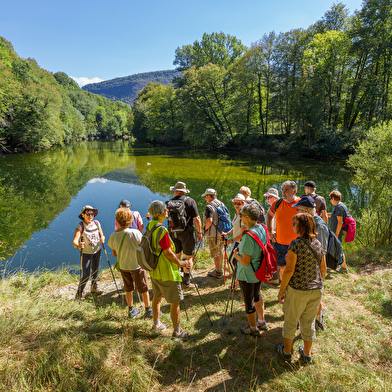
[(126, 89)]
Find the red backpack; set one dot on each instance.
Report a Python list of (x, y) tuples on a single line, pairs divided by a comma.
[(268, 259)]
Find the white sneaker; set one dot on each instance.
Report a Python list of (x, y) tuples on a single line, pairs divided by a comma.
[(159, 327)]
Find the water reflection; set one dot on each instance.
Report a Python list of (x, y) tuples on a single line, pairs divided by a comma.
[(42, 193)]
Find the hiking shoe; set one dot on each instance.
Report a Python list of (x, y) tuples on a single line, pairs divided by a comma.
[(182, 335), (215, 274), (340, 269), (274, 282), (280, 351), (262, 325), (94, 290), (148, 313), (133, 312), (305, 358), (159, 327), (248, 331)]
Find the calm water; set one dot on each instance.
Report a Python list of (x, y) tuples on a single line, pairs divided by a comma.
[(41, 194)]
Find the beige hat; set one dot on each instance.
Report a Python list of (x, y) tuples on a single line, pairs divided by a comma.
[(88, 208), (180, 186), (209, 191), (272, 192)]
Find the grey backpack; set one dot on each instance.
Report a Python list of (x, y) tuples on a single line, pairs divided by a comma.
[(147, 252)]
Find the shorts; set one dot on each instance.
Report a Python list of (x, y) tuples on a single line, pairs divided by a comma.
[(171, 291), (281, 252), (251, 293), (303, 306), (184, 241), (215, 245), (134, 278)]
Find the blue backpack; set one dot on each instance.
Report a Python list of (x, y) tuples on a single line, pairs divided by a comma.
[(224, 222)]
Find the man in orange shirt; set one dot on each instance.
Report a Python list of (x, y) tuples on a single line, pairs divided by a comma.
[(283, 212)]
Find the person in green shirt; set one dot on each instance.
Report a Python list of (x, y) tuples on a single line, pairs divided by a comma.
[(166, 279)]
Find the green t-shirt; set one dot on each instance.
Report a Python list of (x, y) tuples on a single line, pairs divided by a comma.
[(165, 269), (250, 247)]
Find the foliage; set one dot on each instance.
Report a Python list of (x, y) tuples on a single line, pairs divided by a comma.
[(372, 163), (39, 109)]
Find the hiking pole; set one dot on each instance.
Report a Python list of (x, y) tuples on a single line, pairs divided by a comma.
[(229, 330), (201, 299), (198, 245), (185, 308), (81, 263), (231, 293)]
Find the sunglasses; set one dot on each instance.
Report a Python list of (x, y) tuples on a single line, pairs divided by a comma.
[(268, 197), (294, 223), (90, 214)]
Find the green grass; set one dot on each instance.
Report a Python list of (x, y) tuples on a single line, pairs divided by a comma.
[(49, 344)]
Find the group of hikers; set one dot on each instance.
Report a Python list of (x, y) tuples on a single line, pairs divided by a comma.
[(296, 226)]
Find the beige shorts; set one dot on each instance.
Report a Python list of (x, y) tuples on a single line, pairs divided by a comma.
[(215, 245)]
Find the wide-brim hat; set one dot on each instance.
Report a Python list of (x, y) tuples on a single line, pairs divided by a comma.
[(209, 191), (180, 186), (88, 208), (239, 196), (272, 192), (305, 201)]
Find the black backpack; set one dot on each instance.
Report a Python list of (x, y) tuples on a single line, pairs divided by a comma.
[(261, 218), (177, 214), (334, 251)]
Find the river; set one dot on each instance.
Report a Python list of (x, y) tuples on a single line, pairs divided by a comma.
[(42, 193)]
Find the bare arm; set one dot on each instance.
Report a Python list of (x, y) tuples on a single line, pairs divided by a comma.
[(339, 226), (197, 222), (174, 259), (324, 216), (75, 241), (270, 217), (323, 267), (287, 274), (208, 224), (244, 260)]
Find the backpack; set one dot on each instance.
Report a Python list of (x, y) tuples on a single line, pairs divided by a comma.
[(224, 222), (334, 251), (350, 226), (268, 260), (278, 204), (177, 215), (261, 218), (146, 253)]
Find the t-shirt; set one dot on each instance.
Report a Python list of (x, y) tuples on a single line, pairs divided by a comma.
[(322, 231), (165, 269), (250, 247), (339, 210), (320, 202), (307, 274), (128, 258), (210, 212), (284, 221), (191, 210), (137, 218), (91, 236), (237, 225)]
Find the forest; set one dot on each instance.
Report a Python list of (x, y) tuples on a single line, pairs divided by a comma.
[(316, 91), (39, 109)]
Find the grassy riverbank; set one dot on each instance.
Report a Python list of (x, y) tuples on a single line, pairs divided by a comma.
[(54, 344)]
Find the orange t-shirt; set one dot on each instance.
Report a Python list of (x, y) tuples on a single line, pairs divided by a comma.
[(284, 221)]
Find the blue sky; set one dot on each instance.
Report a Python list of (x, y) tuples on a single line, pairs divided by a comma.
[(101, 40)]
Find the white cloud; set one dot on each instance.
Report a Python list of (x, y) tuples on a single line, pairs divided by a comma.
[(83, 81), (94, 180)]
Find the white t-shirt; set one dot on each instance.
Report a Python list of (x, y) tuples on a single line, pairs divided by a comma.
[(128, 258)]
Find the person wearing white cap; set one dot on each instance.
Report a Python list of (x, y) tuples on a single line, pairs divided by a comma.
[(214, 239), (183, 217)]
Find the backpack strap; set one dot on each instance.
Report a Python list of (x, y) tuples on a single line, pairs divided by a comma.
[(316, 255), (82, 224), (121, 245), (255, 237), (278, 203), (161, 228)]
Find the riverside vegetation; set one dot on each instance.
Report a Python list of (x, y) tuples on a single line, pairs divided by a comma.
[(52, 344)]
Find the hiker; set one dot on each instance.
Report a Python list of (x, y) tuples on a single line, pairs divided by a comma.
[(244, 190), (183, 216), (321, 205), (91, 232), (336, 223), (166, 278), (301, 288), (237, 229), (271, 196), (137, 221), (250, 252), (214, 239), (307, 205), (124, 243), (283, 213)]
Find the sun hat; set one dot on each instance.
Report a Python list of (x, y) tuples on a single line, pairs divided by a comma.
[(87, 208), (209, 191), (272, 192), (180, 186), (305, 201), (124, 203), (310, 184), (239, 196)]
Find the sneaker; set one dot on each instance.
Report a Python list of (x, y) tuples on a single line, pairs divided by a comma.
[(340, 269), (159, 327), (262, 325), (274, 282), (280, 350), (182, 335), (133, 312), (215, 274), (94, 290), (248, 331), (305, 358), (148, 313)]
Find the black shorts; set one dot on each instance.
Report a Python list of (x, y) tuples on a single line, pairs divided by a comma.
[(251, 293), (184, 241)]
